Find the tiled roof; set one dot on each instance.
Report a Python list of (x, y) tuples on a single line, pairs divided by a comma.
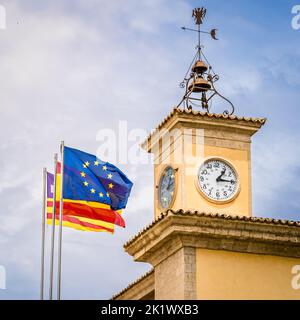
[(260, 121), (133, 283), (212, 215), (164, 215)]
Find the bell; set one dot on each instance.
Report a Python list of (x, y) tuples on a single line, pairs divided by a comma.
[(199, 85), (199, 67)]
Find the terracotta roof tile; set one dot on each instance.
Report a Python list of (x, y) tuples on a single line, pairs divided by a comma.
[(201, 214), (133, 283), (212, 215), (207, 114)]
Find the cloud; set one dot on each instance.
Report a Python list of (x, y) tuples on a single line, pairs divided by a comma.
[(69, 69), (67, 75)]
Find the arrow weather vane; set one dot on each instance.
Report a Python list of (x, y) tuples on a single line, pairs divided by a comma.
[(200, 77)]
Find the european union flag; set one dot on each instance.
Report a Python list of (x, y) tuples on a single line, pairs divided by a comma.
[(87, 178)]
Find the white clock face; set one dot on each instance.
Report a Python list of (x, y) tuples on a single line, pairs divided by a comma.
[(218, 180)]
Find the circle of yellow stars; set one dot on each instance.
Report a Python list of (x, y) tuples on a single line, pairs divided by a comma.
[(86, 184)]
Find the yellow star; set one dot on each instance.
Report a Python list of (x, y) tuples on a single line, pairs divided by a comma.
[(104, 168), (85, 183), (87, 163), (93, 190), (110, 186), (101, 195), (82, 174), (107, 194), (96, 163), (109, 176)]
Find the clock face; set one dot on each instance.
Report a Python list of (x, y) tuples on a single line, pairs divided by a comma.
[(167, 187), (218, 180)]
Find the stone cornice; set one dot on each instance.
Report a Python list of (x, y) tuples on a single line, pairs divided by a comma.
[(176, 229)]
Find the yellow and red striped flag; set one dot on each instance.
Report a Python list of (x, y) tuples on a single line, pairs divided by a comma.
[(95, 217)]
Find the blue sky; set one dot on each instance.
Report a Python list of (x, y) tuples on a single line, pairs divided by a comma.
[(70, 68)]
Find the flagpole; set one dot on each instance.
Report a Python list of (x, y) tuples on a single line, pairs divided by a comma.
[(62, 147), (43, 235), (53, 230)]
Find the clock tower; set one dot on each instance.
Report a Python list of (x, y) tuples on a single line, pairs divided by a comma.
[(204, 242), (202, 161)]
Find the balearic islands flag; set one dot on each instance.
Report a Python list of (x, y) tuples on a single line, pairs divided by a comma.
[(94, 193)]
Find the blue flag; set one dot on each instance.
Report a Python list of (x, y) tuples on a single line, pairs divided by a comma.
[(88, 178)]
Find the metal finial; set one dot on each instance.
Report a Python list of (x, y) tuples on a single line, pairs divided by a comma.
[(199, 81)]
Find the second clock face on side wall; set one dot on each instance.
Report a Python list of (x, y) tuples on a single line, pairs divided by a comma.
[(218, 180), (167, 188)]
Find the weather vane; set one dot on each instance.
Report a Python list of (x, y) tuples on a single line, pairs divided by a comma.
[(199, 81)]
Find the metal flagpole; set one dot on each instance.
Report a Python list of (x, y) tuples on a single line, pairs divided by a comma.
[(62, 147), (43, 234), (53, 230)]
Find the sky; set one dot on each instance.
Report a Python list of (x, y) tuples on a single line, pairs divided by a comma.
[(71, 69)]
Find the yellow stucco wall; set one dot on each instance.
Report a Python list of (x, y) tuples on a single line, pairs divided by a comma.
[(188, 197), (232, 275)]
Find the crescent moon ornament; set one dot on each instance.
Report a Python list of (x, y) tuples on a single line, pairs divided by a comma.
[(213, 34)]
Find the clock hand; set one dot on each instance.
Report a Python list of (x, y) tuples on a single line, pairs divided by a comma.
[(169, 183), (169, 186), (221, 175), (223, 180)]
